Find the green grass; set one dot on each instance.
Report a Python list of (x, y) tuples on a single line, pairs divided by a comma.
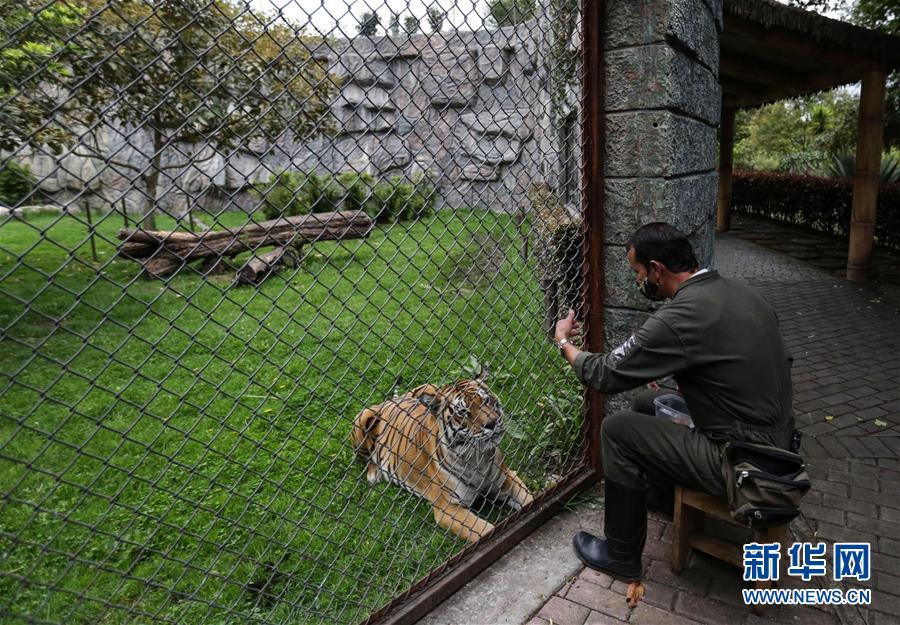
[(169, 448)]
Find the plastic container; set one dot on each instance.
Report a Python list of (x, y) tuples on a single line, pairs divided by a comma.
[(674, 408)]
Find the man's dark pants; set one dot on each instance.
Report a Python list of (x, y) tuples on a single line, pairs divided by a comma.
[(641, 450)]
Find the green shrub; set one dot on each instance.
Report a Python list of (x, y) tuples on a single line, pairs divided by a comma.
[(400, 198), (844, 166), (16, 183), (297, 193), (822, 204), (283, 195), (355, 192)]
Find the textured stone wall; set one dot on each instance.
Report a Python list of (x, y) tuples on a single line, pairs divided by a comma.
[(456, 105), (460, 106), (662, 110)]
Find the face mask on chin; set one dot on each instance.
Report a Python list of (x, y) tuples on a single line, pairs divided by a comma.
[(650, 290)]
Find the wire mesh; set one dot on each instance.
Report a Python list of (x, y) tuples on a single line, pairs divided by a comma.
[(252, 254)]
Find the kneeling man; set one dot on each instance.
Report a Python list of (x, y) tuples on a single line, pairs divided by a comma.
[(720, 340)]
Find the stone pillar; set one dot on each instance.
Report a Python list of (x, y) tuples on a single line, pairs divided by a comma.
[(662, 107)]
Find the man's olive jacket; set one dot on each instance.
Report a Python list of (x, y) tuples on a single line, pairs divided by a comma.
[(720, 339)]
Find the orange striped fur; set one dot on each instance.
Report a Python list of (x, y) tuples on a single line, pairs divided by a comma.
[(441, 444)]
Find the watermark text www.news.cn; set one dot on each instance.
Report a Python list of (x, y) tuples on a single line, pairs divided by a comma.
[(851, 561)]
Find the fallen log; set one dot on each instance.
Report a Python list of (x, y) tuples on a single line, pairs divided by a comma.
[(163, 253), (259, 268)]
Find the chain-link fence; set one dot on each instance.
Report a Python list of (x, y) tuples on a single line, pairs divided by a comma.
[(255, 262)]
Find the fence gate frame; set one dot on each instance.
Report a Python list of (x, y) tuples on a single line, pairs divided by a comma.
[(441, 583), (158, 254)]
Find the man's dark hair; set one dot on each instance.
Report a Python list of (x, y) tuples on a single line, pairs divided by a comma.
[(662, 242)]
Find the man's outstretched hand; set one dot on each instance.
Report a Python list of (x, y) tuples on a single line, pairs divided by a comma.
[(567, 327)]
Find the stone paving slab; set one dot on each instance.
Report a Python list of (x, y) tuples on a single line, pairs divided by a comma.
[(707, 592)]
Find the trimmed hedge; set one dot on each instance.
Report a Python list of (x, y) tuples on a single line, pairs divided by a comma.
[(293, 193), (821, 204)]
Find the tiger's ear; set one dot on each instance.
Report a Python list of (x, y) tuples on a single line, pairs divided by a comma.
[(434, 401), (484, 374)]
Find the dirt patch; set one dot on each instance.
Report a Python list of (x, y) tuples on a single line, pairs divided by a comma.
[(479, 263)]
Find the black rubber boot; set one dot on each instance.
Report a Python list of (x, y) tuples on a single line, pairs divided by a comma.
[(625, 526)]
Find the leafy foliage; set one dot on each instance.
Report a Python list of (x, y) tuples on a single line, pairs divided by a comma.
[(510, 12), (411, 24), (844, 166), (821, 204), (16, 183), (37, 42), (293, 193), (884, 15), (401, 198), (436, 17), (819, 6), (368, 24), (799, 135)]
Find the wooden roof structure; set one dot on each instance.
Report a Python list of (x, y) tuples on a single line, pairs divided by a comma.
[(770, 52)]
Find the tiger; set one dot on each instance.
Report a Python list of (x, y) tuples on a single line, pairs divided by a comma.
[(442, 445)]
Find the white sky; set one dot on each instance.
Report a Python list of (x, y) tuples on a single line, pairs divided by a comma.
[(323, 15)]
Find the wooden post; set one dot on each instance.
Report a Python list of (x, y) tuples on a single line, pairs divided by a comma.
[(726, 162), (866, 177), (592, 204)]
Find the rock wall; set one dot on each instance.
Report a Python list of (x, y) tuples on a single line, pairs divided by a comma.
[(662, 111), (459, 106)]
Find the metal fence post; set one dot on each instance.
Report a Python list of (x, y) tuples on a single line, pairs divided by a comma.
[(592, 206)]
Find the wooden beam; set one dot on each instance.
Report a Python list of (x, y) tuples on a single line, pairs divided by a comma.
[(726, 163), (743, 66), (867, 176), (745, 89), (778, 43), (782, 77)]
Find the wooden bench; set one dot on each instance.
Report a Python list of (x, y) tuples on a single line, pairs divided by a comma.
[(691, 509)]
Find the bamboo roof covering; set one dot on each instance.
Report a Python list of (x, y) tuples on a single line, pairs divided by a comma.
[(770, 52)]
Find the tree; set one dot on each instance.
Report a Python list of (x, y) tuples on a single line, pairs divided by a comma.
[(801, 135), (35, 58), (884, 15), (510, 12), (411, 24), (368, 24), (169, 74), (436, 19), (821, 6), (394, 28)]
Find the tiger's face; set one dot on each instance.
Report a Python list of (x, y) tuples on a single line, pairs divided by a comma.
[(469, 413)]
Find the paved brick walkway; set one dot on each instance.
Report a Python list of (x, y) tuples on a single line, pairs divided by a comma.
[(846, 344)]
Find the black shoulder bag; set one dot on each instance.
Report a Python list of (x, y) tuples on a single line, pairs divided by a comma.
[(764, 484)]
